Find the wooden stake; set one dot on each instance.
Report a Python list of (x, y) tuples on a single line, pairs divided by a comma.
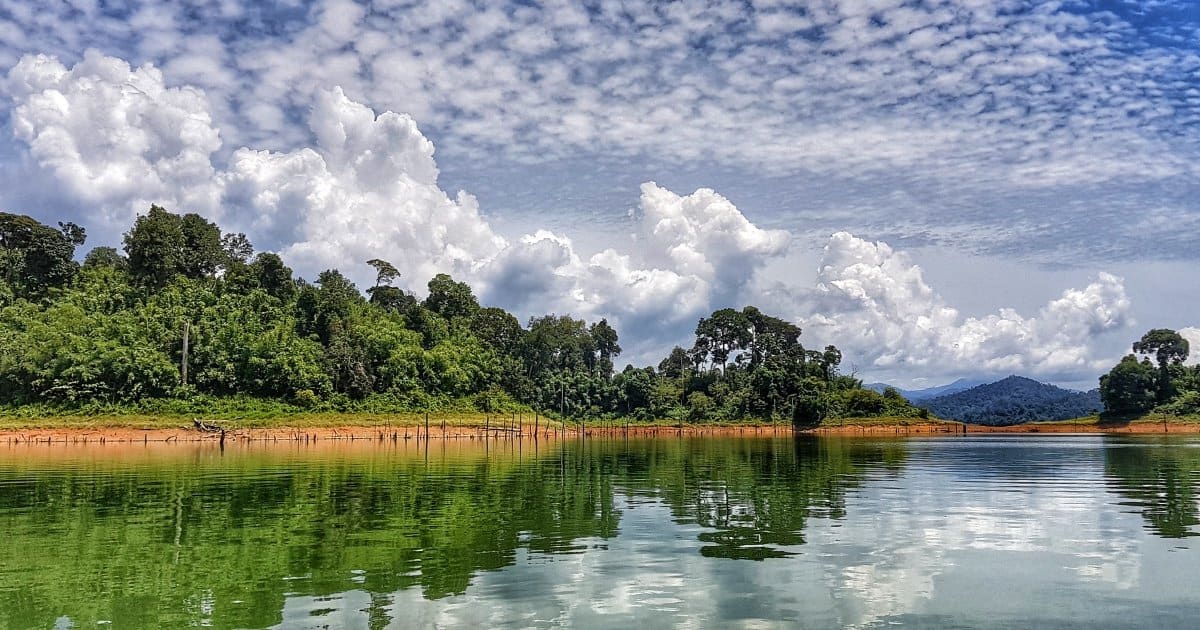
[(183, 368)]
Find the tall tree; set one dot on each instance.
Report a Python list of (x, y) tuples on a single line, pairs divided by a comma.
[(676, 364), (272, 276), (772, 337), (385, 272), (237, 248), (162, 245), (604, 340), (105, 257), (497, 329), (722, 333), (36, 256), (1168, 348), (383, 294), (450, 298), (1129, 387)]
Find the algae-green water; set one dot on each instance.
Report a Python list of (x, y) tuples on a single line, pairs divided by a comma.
[(981, 532)]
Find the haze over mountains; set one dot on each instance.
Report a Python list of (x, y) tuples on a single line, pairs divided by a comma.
[(1012, 400), (918, 395)]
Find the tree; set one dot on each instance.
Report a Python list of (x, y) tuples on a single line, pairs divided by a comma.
[(604, 339), (449, 298), (105, 257), (676, 363), (383, 294), (162, 245), (556, 343), (1129, 387), (772, 337), (497, 329), (36, 256), (385, 272), (722, 333), (830, 360), (319, 309), (272, 276), (1168, 348), (237, 248)]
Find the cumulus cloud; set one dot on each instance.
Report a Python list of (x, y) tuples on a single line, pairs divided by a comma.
[(1192, 334), (1018, 119), (368, 188), (116, 138), (690, 252), (874, 303)]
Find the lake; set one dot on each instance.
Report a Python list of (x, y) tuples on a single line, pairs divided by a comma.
[(1004, 531)]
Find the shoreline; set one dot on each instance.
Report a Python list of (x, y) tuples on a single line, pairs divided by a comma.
[(381, 433)]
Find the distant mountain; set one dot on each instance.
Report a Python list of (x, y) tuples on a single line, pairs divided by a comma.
[(917, 395), (1014, 400)]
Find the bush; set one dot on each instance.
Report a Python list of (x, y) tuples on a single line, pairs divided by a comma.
[(1185, 404)]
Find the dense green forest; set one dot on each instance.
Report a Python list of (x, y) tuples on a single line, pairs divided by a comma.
[(1164, 384), (109, 335), (1014, 400)]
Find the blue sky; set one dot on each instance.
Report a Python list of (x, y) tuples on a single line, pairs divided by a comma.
[(1012, 185)]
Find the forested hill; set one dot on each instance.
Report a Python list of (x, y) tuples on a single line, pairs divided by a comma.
[(109, 336), (1014, 400), (918, 395)]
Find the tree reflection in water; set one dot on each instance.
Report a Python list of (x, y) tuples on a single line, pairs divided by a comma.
[(1160, 478)]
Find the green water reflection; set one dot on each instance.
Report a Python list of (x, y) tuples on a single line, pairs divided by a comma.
[(180, 536), (1160, 477)]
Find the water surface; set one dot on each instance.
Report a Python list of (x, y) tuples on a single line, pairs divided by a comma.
[(984, 531)]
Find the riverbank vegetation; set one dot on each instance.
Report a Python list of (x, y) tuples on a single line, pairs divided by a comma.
[(189, 321), (1162, 389)]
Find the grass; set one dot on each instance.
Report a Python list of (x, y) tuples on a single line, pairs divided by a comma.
[(267, 419), (1107, 420), (298, 420), (882, 421)]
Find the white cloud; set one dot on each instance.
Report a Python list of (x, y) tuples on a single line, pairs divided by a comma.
[(690, 253), (1192, 334), (116, 138), (874, 303), (368, 188)]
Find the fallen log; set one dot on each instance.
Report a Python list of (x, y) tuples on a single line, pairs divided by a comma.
[(205, 427)]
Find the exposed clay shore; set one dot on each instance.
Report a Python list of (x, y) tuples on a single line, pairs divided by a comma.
[(125, 435)]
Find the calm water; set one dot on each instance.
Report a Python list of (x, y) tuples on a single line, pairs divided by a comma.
[(995, 531)]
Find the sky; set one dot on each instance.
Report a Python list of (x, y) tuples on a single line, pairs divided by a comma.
[(941, 188)]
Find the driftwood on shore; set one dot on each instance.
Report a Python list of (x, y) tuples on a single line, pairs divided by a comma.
[(205, 427)]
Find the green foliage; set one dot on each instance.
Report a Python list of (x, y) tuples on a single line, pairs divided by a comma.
[(449, 298), (1133, 387), (105, 257), (1168, 348), (1129, 387), (36, 257), (110, 336), (162, 245)]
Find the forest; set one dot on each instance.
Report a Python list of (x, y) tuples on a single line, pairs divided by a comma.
[(1159, 382), (188, 319)]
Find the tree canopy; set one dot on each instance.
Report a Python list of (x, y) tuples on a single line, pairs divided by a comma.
[(1166, 384), (111, 333)]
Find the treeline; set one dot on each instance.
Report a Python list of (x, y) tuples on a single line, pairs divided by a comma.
[(109, 334), (1159, 382)]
